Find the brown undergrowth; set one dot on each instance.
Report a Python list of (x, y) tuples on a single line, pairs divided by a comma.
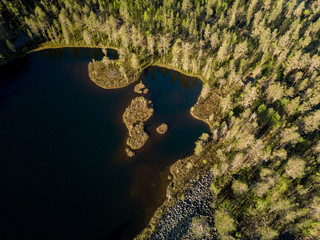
[(207, 108), (111, 77), (162, 129), (139, 111)]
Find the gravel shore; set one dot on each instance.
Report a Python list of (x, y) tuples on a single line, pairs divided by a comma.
[(178, 222)]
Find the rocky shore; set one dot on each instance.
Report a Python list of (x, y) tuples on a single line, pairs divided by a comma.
[(190, 217)]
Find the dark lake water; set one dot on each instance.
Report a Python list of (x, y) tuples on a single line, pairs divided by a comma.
[(63, 171)]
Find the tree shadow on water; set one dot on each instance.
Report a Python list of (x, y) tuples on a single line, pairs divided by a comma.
[(118, 232)]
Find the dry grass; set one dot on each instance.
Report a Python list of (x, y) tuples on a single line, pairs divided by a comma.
[(207, 109), (110, 78), (139, 88), (130, 153), (137, 136), (162, 129), (139, 111)]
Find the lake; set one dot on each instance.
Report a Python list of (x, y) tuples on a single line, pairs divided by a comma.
[(63, 169)]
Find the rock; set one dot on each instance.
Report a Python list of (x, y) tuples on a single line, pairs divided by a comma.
[(130, 153), (162, 129), (145, 91), (190, 217), (139, 87)]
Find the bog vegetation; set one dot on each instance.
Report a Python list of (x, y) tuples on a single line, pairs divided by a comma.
[(134, 117), (259, 60)]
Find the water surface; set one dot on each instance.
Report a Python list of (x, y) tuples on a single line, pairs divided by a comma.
[(63, 172)]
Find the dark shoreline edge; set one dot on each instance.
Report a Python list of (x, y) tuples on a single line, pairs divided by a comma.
[(185, 181)]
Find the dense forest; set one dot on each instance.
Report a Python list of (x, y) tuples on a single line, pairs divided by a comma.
[(259, 61)]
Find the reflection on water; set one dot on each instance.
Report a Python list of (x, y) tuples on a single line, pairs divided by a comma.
[(185, 81), (64, 173)]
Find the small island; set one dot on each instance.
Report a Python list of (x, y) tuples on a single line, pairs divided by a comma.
[(139, 88), (130, 153), (162, 129), (145, 91), (139, 111)]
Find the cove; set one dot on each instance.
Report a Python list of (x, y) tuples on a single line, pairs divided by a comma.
[(63, 169)]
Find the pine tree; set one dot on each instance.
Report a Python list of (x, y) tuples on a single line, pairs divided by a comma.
[(224, 222), (176, 50), (151, 44), (251, 9), (223, 51), (186, 6), (135, 62), (86, 37), (295, 168), (274, 92)]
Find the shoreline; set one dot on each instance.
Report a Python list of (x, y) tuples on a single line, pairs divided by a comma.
[(172, 193), (46, 46), (198, 118)]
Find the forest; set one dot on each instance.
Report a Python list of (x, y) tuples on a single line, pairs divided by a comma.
[(260, 66)]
